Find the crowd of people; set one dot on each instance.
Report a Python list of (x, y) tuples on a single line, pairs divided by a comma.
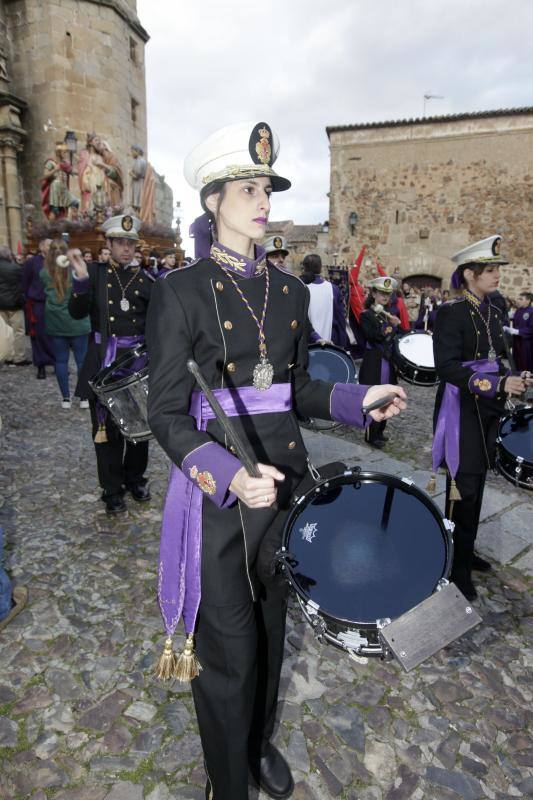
[(247, 322)]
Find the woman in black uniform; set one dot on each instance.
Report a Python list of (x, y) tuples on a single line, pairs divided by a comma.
[(244, 321), (469, 348), (379, 327)]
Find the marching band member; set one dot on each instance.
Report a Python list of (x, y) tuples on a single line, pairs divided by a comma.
[(379, 327), (116, 297), (244, 321), (276, 250), (469, 347)]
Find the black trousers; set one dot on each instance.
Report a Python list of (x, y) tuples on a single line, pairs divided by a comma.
[(465, 515), (240, 648), (120, 462)]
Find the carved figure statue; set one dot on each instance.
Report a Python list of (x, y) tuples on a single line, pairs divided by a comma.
[(142, 186), (99, 170), (56, 197)]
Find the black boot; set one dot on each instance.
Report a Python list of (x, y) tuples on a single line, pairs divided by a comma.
[(480, 565), (271, 773), (140, 492), (115, 504), (41, 372)]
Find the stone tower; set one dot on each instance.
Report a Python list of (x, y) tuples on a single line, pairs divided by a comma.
[(78, 66)]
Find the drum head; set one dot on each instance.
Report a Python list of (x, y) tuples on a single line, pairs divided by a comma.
[(367, 546), (418, 349), (516, 434), (125, 370), (332, 364)]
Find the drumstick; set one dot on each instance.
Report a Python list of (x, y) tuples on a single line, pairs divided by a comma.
[(242, 449), (383, 401)]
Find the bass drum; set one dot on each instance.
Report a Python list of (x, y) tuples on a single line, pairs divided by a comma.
[(413, 356), (122, 389), (360, 550), (331, 364), (514, 447)]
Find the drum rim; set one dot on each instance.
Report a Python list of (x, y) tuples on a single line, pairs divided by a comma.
[(96, 381), (336, 350), (368, 476), (500, 442), (400, 355)]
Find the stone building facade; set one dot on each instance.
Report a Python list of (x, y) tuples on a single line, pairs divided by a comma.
[(72, 65), (301, 240), (416, 191)]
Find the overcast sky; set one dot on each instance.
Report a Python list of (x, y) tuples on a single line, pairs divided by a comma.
[(301, 65)]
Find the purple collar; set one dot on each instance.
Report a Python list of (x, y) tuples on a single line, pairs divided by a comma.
[(236, 263)]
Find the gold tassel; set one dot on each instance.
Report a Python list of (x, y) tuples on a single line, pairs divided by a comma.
[(454, 491), (187, 665), (166, 665), (432, 483), (101, 435)]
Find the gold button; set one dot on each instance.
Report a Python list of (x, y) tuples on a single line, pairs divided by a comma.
[(110, 302), (294, 324), (136, 291), (228, 325), (109, 286), (141, 280), (231, 367), (232, 449), (110, 271), (134, 320), (285, 290), (291, 445), (111, 319), (219, 285)]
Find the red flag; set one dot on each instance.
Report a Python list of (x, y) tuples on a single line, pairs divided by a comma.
[(404, 315), (19, 248), (357, 293), (380, 270)]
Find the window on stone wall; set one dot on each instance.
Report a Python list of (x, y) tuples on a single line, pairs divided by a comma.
[(134, 110), (68, 45), (133, 51)]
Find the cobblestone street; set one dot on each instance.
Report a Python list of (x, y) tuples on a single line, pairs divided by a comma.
[(82, 718)]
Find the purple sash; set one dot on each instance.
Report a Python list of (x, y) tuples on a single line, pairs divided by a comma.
[(114, 343), (179, 584), (447, 431)]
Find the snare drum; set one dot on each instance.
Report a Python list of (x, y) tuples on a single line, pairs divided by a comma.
[(413, 356), (360, 550), (122, 388), (514, 447), (334, 365)]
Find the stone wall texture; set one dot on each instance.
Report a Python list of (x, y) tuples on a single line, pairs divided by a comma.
[(79, 64), (424, 189)]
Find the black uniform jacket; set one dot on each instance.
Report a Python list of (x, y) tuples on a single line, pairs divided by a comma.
[(460, 335), (99, 295), (196, 312), (379, 334)]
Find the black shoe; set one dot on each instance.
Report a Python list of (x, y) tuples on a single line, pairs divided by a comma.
[(379, 444), (24, 363), (466, 586), (140, 493), (272, 774), (41, 373), (115, 505), (480, 565), (382, 438)]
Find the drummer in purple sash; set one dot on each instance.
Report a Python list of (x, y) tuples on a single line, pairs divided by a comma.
[(379, 327), (468, 345), (244, 321), (116, 295)]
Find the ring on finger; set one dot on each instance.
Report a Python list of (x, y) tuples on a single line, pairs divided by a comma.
[(265, 499)]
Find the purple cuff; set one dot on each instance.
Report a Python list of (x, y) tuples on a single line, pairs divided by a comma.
[(484, 384), (80, 286), (212, 469), (346, 404)]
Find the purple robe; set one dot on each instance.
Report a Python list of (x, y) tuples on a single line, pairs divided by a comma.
[(523, 342), (33, 288)]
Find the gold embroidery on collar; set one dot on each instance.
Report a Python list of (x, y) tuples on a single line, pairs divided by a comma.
[(472, 297), (221, 257)]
